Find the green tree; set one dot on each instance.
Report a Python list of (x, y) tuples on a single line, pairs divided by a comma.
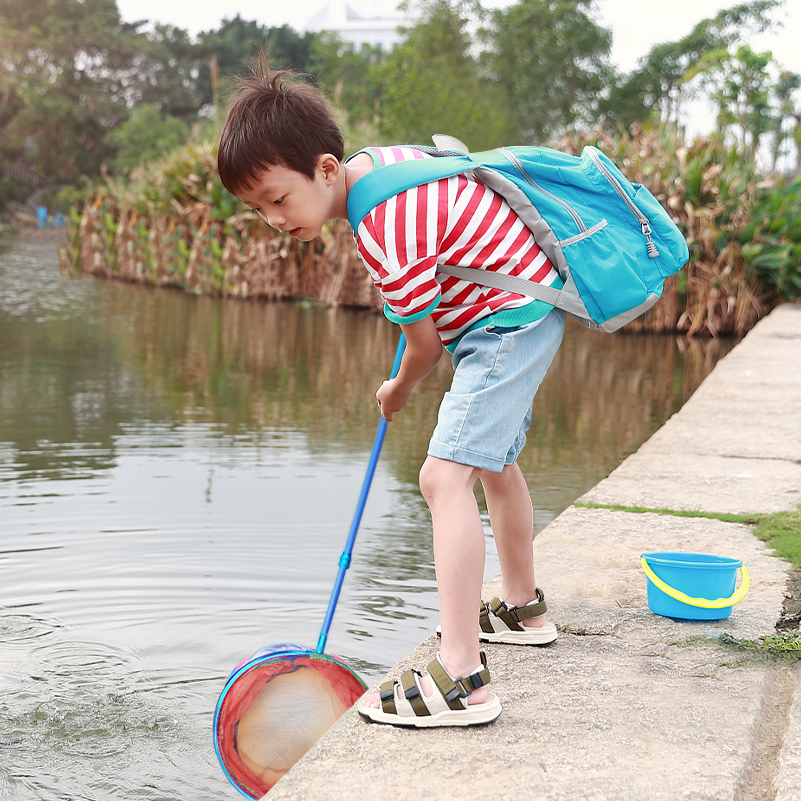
[(550, 60), (237, 41), (657, 86), (788, 118), (62, 90), (350, 77), (147, 135), (740, 86), (166, 73), (432, 84)]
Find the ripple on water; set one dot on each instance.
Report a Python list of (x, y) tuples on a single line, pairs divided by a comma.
[(90, 716), (18, 628)]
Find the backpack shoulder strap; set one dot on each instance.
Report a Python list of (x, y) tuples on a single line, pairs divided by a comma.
[(382, 183)]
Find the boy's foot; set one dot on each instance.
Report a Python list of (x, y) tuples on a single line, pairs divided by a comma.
[(516, 625), (500, 622), (433, 698)]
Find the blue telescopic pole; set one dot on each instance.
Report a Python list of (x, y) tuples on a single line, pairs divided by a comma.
[(344, 559)]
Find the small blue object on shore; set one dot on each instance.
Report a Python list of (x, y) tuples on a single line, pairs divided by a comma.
[(693, 586), (41, 216)]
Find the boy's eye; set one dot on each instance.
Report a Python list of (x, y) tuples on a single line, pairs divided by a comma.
[(278, 202)]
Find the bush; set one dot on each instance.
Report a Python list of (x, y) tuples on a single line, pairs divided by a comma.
[(771, 242), (14, 190)]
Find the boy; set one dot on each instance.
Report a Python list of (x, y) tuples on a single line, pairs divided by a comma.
[(282, 153)]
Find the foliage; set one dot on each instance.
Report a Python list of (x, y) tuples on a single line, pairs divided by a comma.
[(358, 133), (167, 73), (351, 78), (147, 135), (784, 646), (787, 124), (549, 61), (175, 225), (72, 75), (61, 70), (534, 68), (236, 42), (13, 190), (782, 531), (431, 83), (655, 87), (771, 242), (740, 87)]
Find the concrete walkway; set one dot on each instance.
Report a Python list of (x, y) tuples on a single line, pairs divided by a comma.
[(627, 705)]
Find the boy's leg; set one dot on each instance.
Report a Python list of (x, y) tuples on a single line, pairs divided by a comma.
[(459, 560), (512, 519)]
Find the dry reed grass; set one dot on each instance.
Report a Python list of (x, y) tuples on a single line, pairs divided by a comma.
[(239, 257)]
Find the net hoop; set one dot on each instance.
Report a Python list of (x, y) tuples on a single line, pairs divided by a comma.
[(247, 679)]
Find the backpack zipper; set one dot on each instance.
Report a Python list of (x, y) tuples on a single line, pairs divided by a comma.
[(644, 222), (522, 170)]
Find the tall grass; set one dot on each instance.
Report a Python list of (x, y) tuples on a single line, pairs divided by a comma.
[(179, 227)]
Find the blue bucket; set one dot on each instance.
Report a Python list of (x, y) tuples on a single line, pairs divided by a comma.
[(693, 586)]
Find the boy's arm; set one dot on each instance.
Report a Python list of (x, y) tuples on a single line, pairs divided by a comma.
[(423, 349)]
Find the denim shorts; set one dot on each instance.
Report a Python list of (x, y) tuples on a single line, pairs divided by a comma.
[(484, 417)]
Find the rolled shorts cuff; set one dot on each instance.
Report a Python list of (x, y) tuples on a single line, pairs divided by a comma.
[(442, 450)]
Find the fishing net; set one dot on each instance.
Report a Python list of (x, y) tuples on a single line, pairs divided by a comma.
[(275, 706)]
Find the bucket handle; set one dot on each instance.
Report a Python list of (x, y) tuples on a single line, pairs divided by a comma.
[(704, 603)]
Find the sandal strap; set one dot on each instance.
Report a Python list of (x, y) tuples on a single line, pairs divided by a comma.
[(387, 696), (484, 622), (453, 690), (411, 690), (511, 615)]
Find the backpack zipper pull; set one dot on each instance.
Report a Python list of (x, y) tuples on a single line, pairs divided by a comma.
[(653, 252)]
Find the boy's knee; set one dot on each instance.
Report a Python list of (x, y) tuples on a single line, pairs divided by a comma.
[(427, 480), (439, 476)]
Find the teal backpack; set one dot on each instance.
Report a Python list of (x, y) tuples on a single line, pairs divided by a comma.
[(610, 240)]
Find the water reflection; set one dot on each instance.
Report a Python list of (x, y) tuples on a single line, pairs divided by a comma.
[(177, 478)]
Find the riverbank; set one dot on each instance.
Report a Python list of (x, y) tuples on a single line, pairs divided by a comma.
[(627, 704)]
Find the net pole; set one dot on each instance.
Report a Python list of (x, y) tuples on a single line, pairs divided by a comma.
[(345, 558)]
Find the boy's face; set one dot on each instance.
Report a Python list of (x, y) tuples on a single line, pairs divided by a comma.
[(291, 202)]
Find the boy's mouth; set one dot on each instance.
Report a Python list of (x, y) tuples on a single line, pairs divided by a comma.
[(294, 232)]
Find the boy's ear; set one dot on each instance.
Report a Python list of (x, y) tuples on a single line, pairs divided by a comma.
[(330, 167)]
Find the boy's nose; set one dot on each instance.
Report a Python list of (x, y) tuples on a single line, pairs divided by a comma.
[(274, 220)]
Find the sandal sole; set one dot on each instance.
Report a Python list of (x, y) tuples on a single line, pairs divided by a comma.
[(521, 637), (478, 715), (546, 637)]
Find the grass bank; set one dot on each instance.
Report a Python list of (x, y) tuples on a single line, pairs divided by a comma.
[(781, 531)]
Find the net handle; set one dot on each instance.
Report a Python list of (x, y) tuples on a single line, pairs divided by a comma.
[(344, 559)]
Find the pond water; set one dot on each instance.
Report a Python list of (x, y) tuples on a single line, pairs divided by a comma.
[(177, 479)]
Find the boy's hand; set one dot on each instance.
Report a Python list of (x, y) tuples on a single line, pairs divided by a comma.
[(392, 397), (423, 349)]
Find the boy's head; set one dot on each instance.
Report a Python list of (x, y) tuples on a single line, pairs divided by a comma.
[(275, 120)]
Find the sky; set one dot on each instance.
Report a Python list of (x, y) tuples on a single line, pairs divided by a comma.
[(637, 25)]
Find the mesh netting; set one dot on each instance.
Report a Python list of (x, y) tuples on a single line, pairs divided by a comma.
[(276, 705)]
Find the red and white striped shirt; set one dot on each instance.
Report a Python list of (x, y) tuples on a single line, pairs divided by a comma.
[(457, 221)]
